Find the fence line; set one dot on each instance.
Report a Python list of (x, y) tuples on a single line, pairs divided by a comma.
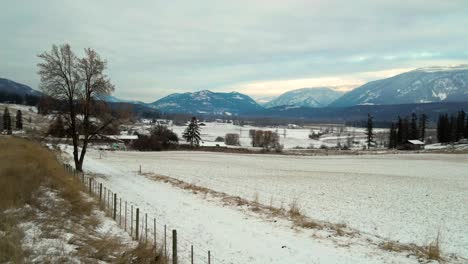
[(165, 241)]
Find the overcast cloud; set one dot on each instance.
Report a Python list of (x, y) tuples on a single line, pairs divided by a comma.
[(258, 47)]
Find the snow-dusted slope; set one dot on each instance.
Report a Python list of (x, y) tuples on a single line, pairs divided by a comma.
[(308, 97), (207, 102), (9, 86), (432, 84)]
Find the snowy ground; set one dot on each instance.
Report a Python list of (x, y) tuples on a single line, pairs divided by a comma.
[(408, 198), (289, 137)]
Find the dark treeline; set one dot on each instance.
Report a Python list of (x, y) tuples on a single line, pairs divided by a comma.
[(407, 128), (452, 128), (13, 98), (364, 123)]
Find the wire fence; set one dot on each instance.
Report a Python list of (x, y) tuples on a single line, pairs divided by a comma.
[(141, 226)]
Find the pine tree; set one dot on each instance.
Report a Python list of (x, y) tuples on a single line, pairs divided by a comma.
[(399, 131), (19, 120), (460, 129), (465, 134), (192, 133), (393, 137), (414, 132), (370, 131), (7, 120), (422, 126)]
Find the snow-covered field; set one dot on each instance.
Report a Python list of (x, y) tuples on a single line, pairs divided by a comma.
[(405, 197), (289, 137)]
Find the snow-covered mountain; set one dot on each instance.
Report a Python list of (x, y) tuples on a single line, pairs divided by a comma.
[(424, 85), (308, 97), (207, 102), (12, 87), (113, 99)]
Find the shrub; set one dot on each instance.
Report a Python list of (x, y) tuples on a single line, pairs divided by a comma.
[(264, 139), (232, 139), (219, 139), (161, 138)]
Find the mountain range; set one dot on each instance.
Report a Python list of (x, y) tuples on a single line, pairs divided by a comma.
[(424, 85), (11, 87), (417, 87)]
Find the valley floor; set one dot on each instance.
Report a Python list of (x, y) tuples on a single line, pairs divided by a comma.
[(407, 198)]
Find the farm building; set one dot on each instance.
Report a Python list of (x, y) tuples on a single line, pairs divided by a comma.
[(412, 144)]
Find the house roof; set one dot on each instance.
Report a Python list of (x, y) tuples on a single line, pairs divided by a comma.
[(416, 142)]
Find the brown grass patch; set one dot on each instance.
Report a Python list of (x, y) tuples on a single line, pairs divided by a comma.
[(33, 180)]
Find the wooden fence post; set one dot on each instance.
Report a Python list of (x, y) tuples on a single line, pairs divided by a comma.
[(120, 211), (174, 246), (209, 257), (154, 233), (137, 222), (146, 228), (131, 222), (165, 242), (191, 254), (125, 225), (115, 206), (90, 188), (100, 192)]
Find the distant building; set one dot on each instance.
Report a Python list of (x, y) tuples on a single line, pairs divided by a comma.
[(413, 144)]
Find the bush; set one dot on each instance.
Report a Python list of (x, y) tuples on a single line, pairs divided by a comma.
[(219, 139), (161, 138), (264, 139), (232, 139)]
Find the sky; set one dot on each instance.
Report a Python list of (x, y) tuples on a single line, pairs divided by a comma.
[(258, 47)]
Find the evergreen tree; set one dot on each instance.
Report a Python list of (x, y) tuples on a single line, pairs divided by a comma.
[(19, 120), (393, 137), (7, 120), (370, 131), (465, 134), (192, 133), (422, 126), (453, 129), (441, 128), (414, 132), (460, 129), (399, 131)]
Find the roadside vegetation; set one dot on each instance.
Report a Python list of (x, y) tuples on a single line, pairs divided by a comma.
[(46, 217)]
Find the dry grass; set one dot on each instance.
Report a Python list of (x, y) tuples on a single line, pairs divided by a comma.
[(294, 209), (33, 180), (25, 166), (431, 251)]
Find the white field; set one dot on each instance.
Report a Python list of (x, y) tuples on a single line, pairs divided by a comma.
[(405, 197), (289, 138)]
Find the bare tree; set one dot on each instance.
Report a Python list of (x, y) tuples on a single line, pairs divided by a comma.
[(76, 82)]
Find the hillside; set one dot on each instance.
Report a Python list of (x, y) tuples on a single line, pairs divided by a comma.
[(308, 97), (207, 102), (11, 87), (425, 85)]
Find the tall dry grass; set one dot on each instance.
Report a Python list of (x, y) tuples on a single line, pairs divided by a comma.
[(25, 166), (27, 171)]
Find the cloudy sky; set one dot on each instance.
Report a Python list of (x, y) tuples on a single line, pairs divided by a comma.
[(258, 47)]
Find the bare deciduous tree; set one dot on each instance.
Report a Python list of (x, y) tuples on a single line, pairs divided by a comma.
[(77, 82)]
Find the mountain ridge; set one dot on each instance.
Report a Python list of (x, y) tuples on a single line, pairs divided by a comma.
[(309, 97), (423, 85)]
